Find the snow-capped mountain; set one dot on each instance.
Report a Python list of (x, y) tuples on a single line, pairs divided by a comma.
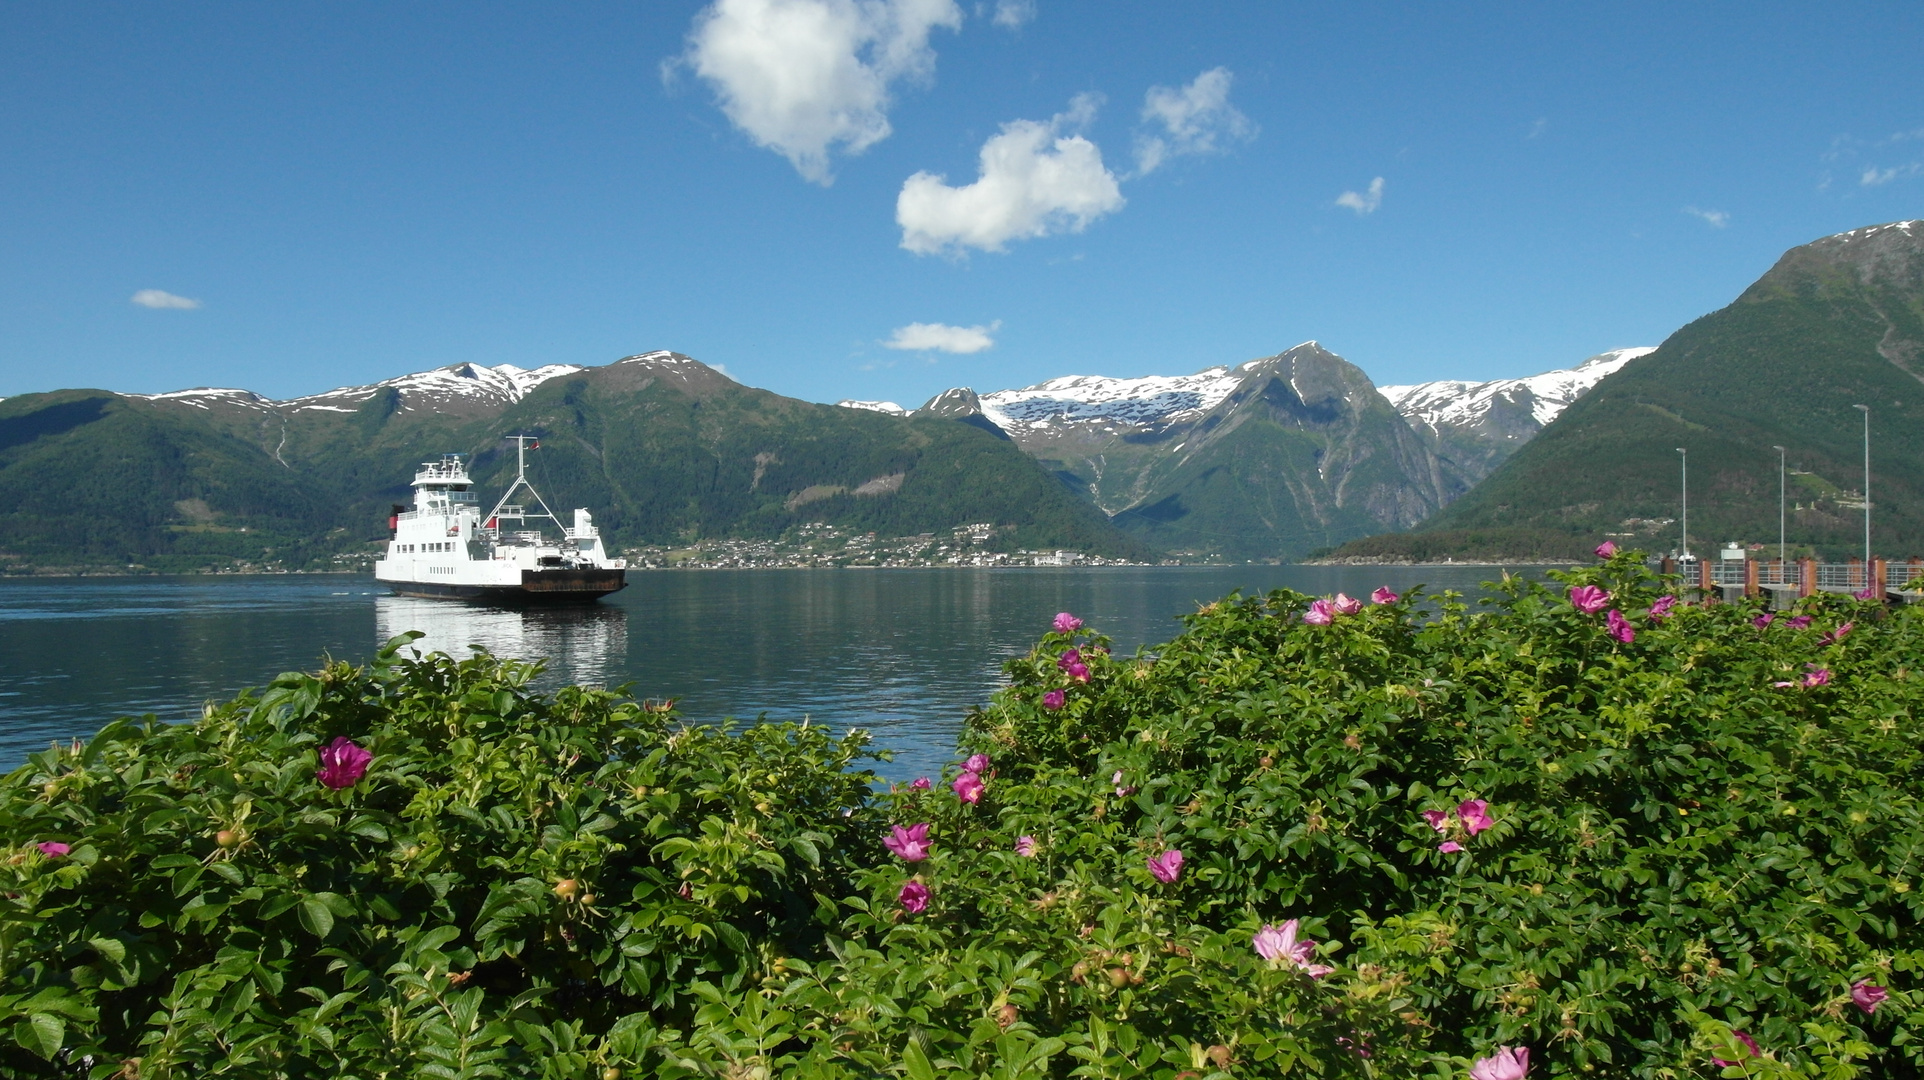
[(1267, 459), (1297, 447), (888, 407), (422, 391), (436, 390), (1154, 400), (1455, 403)]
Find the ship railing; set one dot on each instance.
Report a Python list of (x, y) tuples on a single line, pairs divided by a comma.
[(439, 474)]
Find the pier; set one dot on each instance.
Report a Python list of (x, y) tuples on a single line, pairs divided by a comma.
[(1785, 580)]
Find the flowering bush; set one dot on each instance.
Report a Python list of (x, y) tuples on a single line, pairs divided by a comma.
[(1414, 838), (1649, 852), (413, 868)]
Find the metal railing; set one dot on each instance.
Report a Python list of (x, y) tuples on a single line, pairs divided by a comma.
[(1806, 576)]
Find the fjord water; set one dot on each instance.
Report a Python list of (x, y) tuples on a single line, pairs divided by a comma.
[(904, 653)]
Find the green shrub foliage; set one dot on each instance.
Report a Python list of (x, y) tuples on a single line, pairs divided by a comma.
[(1451, 827)]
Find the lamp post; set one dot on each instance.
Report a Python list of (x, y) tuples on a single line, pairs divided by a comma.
[(1780, 507), (1686, 502), (1866, 410)]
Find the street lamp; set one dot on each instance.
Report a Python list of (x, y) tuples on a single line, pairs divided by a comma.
[(1686, 502), (1866, 410), (1780, 506)]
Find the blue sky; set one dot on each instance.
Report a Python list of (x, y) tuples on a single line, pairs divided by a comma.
[(785, 187)]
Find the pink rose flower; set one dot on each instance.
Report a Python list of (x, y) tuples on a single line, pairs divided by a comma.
[(1122, 791), (1798, 622), (1167, 867), (1069, 658), (1620, 627), (1054, 699), (1475, 815), (977, 763), (1816, 676), (914, 897), (1067, 623), (1319, 613), (53, 849), (921, 784), (1449, 847), (1279, 944), (1508, 1063), (910, 844), (1079, 672), (1438, 819), (1025, 846), (1867, 996), (1383, 595), (1661, 608), (1763, 620), (1344, 604), (1836, 635), (342, 763), (1606, 549), (968, 787), (1588, 599)]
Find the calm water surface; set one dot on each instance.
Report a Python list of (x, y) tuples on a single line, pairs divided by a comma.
[(904, 653)]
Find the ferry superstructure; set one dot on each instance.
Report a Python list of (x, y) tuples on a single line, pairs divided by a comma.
[(446, 548)]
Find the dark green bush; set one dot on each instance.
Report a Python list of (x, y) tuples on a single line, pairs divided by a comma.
[(1690, 835)]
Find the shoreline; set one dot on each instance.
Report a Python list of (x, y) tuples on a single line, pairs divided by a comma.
[(1468, 563)]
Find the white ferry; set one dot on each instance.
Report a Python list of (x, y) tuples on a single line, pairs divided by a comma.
[(445, 546)]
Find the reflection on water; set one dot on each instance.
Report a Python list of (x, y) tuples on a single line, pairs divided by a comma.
[(583, 644)]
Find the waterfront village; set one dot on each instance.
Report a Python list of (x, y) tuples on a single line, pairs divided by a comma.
[(818, 544)]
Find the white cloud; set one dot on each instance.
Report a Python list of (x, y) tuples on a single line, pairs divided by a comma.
[(1363, 202), (1013, 13), (1875, 176), (1541, 125), (806, 77), (1716, 219), (1034, 181), (155, 298), (1195, 119), (940, 337)]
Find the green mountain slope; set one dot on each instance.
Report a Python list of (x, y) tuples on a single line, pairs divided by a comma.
[(1835, 323), (661, 447)]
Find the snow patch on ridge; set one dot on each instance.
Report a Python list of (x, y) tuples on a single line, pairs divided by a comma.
[(888, 407), (1459, 403)]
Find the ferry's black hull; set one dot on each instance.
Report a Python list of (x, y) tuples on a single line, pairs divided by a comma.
[(538, 587)]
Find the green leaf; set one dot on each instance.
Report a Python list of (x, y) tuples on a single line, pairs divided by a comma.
[(917, 1062), (315, 918), (41, 1033)]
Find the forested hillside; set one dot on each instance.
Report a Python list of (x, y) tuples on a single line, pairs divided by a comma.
[(663, 449)]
